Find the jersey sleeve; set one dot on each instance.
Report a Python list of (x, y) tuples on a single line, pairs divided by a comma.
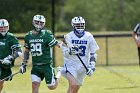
[(93, 46), (51, 40), (67, 39), (14, 43), (26, 42)]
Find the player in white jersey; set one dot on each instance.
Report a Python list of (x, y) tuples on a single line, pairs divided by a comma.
[(136, 36), (79, 43)]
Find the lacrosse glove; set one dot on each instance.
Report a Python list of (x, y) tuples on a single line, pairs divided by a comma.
[(7, 60), (90, 71), (74, 50), (22, 68), (91, 68)]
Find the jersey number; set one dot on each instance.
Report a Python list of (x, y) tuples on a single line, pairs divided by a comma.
[(82, 50), (36, 49)]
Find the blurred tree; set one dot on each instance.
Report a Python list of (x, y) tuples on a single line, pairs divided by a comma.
[(100, 14), (19, 13)]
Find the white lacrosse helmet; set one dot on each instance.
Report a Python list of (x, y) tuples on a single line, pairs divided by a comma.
[(39, 22), (78, 23), (4, 27)]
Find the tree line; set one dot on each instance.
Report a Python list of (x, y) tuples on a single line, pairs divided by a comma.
[(100, 15)]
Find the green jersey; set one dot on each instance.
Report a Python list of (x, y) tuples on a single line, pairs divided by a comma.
[(40, 46), (7, 45)]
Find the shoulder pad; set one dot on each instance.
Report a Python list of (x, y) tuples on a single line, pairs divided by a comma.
[(29, 33), (49, 31), (43, 31), (9, 35), (88, 34)]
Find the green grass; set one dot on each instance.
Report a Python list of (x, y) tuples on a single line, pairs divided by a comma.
[(110, 79)]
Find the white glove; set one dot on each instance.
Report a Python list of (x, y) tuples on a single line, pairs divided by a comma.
[(90, 71), (74, 50), (22, 68), (8, 60)]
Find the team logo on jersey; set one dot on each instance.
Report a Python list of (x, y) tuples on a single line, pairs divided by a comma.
[(2, 43), (79, 42), (35, 40)]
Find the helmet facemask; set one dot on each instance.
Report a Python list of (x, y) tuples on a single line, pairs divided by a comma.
[(4, 27), (39, 22), (78, 24), (80, 27)]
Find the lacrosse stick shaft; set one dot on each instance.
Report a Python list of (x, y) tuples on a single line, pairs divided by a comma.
[(138, 48), (9, 76), (82, 62)]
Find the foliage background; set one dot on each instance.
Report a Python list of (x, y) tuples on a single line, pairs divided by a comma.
[(19, 13), (100, 15)]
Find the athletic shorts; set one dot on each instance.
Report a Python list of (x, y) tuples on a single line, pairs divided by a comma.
[(5, 72), (76, 71), (39, 72)]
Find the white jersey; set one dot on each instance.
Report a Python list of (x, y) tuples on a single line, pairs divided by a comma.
[(72, 64), (86, 44)]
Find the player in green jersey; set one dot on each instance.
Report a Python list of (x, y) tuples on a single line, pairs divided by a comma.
[(10, 49), (39, 42)]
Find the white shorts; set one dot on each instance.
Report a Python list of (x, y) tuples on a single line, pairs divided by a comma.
[(77, 71), (35, 78)]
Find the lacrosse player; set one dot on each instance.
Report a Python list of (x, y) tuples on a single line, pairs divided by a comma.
[(136, 37), (78, 43), (39, 42), (10, 49)]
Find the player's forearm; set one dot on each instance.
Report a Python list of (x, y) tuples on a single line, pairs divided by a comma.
[(26, 56), (92, 60), (135, 37), (93, 57), (17, 53), (59, 44)]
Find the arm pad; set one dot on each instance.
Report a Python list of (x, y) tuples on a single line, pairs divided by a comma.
[(17, 52), (26, 56), (93, 57), (92, 60)]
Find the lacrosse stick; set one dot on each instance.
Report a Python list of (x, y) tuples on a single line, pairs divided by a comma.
[(68, 44), (10, 76), (82, 62)]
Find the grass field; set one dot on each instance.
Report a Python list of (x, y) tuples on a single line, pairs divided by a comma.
[(108, 79)]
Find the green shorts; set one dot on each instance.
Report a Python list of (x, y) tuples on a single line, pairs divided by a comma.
[(44, 71), (5, 72)]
